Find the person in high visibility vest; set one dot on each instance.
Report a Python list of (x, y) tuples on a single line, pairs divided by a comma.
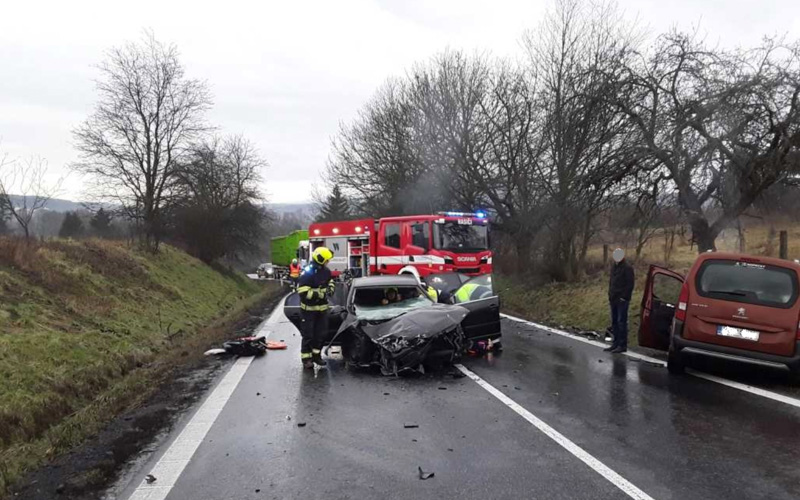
[(314, 286), (471, 291), (294, 272)]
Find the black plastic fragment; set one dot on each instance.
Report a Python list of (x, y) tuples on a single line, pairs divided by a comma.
[(425, 475), (410, 426), (301, 424)]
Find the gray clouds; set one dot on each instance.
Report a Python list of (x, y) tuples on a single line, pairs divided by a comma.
[(284, 74)]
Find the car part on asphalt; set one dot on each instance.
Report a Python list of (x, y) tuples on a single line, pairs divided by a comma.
[(246, 346), (425, 475)]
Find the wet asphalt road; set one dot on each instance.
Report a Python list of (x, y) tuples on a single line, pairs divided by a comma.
[(672, 437)]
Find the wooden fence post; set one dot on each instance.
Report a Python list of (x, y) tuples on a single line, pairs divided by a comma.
[(784, 245)]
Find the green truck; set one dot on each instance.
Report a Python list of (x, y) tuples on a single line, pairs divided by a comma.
[(285, 248)]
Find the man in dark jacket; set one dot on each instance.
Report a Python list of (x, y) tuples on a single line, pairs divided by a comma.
[(620, 290)]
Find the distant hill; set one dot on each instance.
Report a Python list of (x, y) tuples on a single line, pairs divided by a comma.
[(60, 205), (285, 208), (55, 204)]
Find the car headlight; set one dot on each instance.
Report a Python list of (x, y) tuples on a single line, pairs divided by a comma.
[(269, 271)]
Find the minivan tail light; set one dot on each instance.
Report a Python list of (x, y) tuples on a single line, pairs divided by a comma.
[(683, 302)]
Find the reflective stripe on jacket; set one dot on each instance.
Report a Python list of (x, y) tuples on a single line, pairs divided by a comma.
[(314, 287)]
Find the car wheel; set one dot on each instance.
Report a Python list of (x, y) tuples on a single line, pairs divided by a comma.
[(356, 350), (675, 363)]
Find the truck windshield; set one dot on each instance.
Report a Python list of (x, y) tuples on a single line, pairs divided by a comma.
[(460, 237)]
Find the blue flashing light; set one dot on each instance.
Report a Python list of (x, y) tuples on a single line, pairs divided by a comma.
[(480, 215)]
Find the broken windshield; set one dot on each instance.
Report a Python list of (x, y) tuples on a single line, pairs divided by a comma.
[(460, 236), (367, 308)]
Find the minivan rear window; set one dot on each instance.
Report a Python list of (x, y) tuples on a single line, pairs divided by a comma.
[(747, 282)]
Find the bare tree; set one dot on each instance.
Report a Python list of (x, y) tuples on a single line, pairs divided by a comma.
[(376, 159), (577, 54), (725, 126), (147, 115), (217, 209), (508, 176), (24, 189)]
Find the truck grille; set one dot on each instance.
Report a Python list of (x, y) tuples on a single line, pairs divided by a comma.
[(469, 270)]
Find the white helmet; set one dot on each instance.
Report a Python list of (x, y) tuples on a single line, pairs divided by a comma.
[(411, 270)]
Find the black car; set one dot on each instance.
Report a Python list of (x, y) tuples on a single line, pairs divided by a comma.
[(389, 321)]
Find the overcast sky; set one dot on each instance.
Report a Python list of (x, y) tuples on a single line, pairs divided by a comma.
[(284, 74)]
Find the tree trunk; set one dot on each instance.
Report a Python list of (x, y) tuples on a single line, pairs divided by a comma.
[(523, 247), (703, 235), (742, 242)]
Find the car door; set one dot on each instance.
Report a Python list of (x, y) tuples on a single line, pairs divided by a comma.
[(661, 292), (291, 309), (478, 297)]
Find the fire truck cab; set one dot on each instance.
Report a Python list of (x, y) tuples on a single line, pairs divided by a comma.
[(445, 242)]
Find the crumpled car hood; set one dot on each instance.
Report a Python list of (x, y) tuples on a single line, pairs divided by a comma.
[(417, 324), (405, 341)]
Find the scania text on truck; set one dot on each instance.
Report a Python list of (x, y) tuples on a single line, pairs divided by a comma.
[(446, 242)]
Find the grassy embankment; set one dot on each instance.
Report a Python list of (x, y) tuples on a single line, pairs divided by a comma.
[(88, 328), (584, 304)]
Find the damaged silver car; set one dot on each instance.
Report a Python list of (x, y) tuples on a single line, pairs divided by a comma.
[(391, 323)]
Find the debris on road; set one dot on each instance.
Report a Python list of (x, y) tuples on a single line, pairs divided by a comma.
[(301, 424), (150, 479), (410, 426), (424, 475), (247, 346)]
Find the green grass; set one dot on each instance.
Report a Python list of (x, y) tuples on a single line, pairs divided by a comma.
[(582, 305), (81, 326)]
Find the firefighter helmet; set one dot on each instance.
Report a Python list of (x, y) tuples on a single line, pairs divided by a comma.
[(321, 256), (294, 261)]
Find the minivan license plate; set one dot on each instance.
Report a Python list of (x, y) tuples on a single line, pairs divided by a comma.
[(737, 333)]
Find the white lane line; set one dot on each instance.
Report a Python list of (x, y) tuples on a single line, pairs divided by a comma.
[(711, 378), (747, 388), (172, 464), (620, 482)]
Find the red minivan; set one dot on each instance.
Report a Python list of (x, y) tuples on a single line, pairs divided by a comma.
[(730, 306)]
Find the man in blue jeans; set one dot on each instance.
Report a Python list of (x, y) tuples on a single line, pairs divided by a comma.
[(620, 290)]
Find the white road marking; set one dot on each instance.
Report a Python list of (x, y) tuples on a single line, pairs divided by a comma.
[(635, 355), (620, 482), (171, 465), (747, 388)]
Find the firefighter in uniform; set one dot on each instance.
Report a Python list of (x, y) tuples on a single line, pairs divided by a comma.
[(314, 286)]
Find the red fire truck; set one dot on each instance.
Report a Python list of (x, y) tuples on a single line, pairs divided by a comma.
[(446, 242)]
